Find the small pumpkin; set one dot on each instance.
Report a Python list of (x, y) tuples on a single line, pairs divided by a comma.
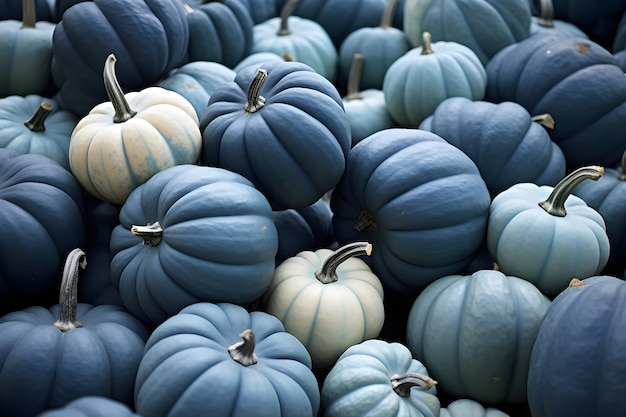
[(465, 407), (123, 142), (91, 406), (330, 300), (222, 358)]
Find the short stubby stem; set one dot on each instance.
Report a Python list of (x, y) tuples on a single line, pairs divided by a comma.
[(37, 122), (151, 234), (242, 352), (255, 101)]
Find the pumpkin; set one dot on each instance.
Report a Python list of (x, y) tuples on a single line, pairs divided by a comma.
[(262, 10), (566, 77), (330, 300), (38, 197), (26, 54), (150, 37), (484, 26), (417, 82), (465, 407), (619, 42), (544, 23), (377, 378), (35, 124), (283, 127), (475, 333), (303, 39), (419, 200), (547, 235), (123, 142), (219, 31), (91, 406), (196, 81), (380, 46), (366, 109), (257, 58), (505, 142), (222, 358), (88, 350), (587, 316), (13, 10), (192, 234)]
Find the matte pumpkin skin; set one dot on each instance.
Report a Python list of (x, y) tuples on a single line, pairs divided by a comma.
[(91, 406), (359, 383), (43, 367), (466, 407), (186, 369), (475, 333), (218, 244), (294, 148), (367, 114), (579, 83), (547, 250), (427, 200), (588, 316), (111, 159), (501, 139)]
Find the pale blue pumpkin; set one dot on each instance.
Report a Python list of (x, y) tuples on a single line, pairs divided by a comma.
[(465, 407), (91, 406)]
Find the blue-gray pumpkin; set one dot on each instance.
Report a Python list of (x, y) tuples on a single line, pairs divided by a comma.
[(91, 406)]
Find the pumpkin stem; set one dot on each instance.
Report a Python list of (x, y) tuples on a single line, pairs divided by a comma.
[(123, 112), (285, 13), (353, 90), (188, 8), (546, 14), (36, 123), (387, 20), (365, 222), (327, 274), (426, 44), (555, 203), (402, 384), (622, 175), (242, 352), (151, 234), (544, 120), (75, 262), (287, 57), (255, 101), (29, 14)]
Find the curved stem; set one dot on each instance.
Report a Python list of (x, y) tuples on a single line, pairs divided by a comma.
[(546, 14), (402, 384), (243, 351), (426, 43), (29, 14), (353, 90), (545, 120), (622, 175), (36, 123), (387, 20), (255, 101), (75, 262), (151, 234), (285, 13), (555, 203), (328, 272), (123, 112), (365, 222)]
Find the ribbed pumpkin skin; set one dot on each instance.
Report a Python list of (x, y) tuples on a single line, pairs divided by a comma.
[(294, 148), (475, 334), (219, 242), (54, 142), (367, 114), (466, 407), (485, 26), (359, 383), (186, 369), (501, 139), (586, 318), (149, 39), (41, 220), (91, 406), (579, 83), (43, 368), (427, 199)]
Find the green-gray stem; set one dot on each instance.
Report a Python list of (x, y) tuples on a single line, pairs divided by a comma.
[(285, 13), (426, 43), (75, 262), (29, 14), (353, 90), (36, 123), (387, 20), (242, 352), (255, 101), (123, 112), (328, 272), (555, 203), (546, 14), (151, 234), (402, 384)]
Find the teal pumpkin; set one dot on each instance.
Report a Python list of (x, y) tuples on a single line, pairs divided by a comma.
[(222, 358), (91, 406), (417, 82), (192, 233), (37, 125), (546, 235), (475, 333), (465, 407), (376, 378)]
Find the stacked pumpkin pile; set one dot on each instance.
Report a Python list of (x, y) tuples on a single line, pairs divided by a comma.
[(314, 207)]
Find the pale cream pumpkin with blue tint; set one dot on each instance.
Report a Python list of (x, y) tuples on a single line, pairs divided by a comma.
[(122, 143)]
